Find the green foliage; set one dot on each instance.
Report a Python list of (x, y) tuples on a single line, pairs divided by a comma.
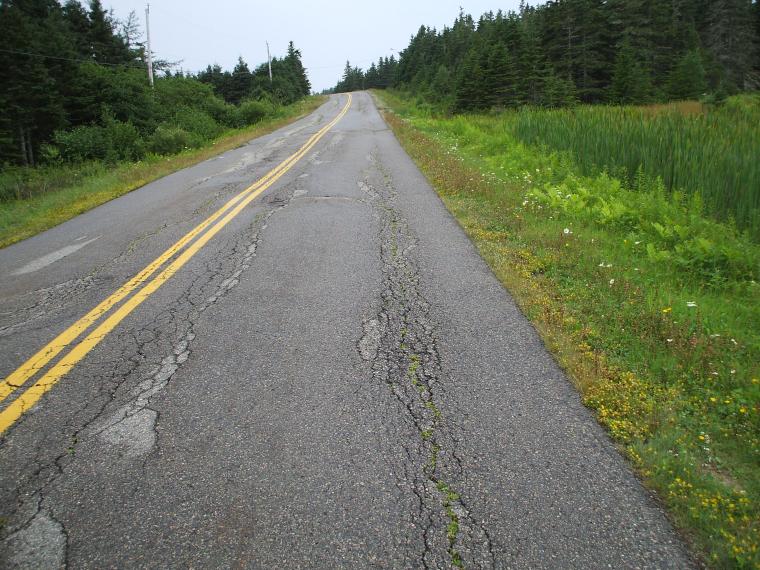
[(196, 122), (631, 82), (78, 63), (289, 81), (688, 81), (167, 139), (112, 142), (562, 52), (706, 153), (251, 111), (18, 184)]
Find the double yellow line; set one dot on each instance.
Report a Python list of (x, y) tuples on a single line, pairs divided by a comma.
[(17, 379)]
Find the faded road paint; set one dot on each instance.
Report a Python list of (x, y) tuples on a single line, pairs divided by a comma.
[(227, 212)]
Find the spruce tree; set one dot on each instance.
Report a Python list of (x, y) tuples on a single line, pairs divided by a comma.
[(731, 39), (687, 80), (470, 93), (500, 78), (240, 83), (631, 82), (105, 44)]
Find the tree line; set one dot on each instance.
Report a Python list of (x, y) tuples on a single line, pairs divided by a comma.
[(73, 84), (592, 51)]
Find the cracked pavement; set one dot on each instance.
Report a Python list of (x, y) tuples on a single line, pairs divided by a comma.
[(336, 380)]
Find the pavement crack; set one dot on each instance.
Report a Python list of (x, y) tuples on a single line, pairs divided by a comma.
[(120, 412), (400, 344)]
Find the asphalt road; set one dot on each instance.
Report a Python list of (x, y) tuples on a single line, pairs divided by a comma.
[(335, 379)]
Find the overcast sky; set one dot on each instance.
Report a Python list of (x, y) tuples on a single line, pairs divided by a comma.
[(327, 33)]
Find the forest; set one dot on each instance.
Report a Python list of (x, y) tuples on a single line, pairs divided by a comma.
[(564, 52), (74, 87)]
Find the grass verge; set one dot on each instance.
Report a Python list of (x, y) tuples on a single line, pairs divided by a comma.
[(652, 309), (65, 191)]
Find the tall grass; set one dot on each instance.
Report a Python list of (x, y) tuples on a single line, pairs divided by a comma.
[(714, 153)]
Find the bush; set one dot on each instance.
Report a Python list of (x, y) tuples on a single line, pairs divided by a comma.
[(251, 111), (223, 113), (81, 143), (123, 141), (196, 122), (168, 139), (112, 142)]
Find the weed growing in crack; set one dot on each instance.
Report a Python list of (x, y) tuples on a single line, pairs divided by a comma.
[(408, 363)]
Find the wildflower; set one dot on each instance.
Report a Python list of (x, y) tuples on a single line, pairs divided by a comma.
[(669, 339), (667, 310), (636, 243), (612, 281), (567, 231), (691, 304), (713, 399), (734, 341)]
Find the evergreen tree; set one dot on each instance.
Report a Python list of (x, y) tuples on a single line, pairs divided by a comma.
[(105, 44), (297, 72), (30, 85), (731, 39), (631, 83), (558, 91), (442, 86), (687, 80), (562, 51), (500, 78), (240, 83), (79, 25), (531, 66), (470, 92)]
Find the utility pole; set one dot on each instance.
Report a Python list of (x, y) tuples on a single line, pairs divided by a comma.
[(150, 55), (269, 59)]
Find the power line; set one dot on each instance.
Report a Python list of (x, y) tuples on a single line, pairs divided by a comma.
[(41, 55)]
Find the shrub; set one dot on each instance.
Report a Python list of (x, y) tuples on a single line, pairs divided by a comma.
[(113, 142), (82, 143), (123, 141), (252, 111), (196, 122), (223, 113), (168, 139)]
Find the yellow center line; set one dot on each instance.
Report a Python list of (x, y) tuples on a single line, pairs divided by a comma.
[(56, 372), (17, 378)]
